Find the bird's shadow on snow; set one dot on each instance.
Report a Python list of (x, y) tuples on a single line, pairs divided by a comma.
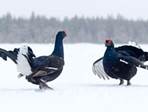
[(113, 86), (18, 89), (22, 90), (84, 85)]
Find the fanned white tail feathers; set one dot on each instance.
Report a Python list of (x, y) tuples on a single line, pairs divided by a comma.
[(98, 70), (135, 44)]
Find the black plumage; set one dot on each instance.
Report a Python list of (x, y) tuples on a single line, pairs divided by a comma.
[(121, 62), (48, 68), (133, 51)]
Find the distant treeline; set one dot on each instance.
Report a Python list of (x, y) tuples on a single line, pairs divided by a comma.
[(40, 29)]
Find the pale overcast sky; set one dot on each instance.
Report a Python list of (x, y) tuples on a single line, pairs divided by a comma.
[(132, 9)]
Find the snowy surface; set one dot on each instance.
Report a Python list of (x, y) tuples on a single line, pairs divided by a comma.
[(77, 89)]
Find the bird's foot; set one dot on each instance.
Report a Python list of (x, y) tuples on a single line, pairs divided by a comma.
[(121, 81), (128, 83), (44, 86)]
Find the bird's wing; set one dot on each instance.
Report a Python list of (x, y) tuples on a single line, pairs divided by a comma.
[(44, 71), (11, 54), (98, 69), (132, 60)]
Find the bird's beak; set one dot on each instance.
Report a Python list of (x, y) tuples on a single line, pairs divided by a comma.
[(65, 34)]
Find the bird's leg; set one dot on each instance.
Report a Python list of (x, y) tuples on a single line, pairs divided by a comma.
[(121, 81), (128, 83), (44, 86)]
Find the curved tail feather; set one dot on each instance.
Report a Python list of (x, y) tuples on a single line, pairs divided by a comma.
[(11, 54)]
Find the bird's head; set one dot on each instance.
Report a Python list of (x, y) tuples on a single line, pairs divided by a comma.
[(61, 34), (109, 43)]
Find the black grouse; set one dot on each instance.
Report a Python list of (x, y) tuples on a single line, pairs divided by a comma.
[(38, 70), (48, 68), (120, 63)]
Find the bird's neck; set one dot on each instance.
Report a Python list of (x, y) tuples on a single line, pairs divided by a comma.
[(109, 51), (110, 48), (58, 48)]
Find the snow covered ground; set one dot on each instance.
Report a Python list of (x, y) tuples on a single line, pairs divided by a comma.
[(77, 89)]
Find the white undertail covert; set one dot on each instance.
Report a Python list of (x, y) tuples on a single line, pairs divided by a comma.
[(23, 65)]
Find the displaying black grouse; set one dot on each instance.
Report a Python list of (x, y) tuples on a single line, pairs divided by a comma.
[(48, 68), (38, 70), (120, 63)]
